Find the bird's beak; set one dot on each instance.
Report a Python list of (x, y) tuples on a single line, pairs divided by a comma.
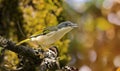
[(74, 25)]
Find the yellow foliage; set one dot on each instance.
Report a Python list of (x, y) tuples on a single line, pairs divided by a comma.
[(63, 48), (103, 24), (11, 59), (40, 16)]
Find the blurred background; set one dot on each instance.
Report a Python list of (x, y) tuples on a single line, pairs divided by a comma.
[(93, 46)]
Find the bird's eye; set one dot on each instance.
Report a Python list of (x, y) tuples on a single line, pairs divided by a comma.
[(66, 24)]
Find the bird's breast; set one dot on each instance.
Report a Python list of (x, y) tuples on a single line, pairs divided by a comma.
[(51, 37), (57, 35)]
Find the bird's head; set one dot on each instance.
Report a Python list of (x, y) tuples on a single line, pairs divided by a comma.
[(67, 24)]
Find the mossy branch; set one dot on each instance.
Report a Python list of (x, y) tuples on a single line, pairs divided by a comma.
[(25, 51)]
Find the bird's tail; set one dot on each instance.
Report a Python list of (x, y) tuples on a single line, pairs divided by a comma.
[(23, 41)]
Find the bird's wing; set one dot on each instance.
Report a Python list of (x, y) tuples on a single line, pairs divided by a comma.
[(45, 31)]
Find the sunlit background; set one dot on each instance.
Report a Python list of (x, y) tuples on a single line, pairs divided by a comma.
[(93, 46), (96, 43)]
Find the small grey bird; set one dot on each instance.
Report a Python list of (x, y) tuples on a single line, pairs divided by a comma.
[(52, 34)]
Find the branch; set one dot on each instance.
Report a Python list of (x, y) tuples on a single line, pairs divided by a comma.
[(48, 62), (25, 51)]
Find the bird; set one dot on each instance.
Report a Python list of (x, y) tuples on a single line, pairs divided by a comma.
[(51, 35)]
